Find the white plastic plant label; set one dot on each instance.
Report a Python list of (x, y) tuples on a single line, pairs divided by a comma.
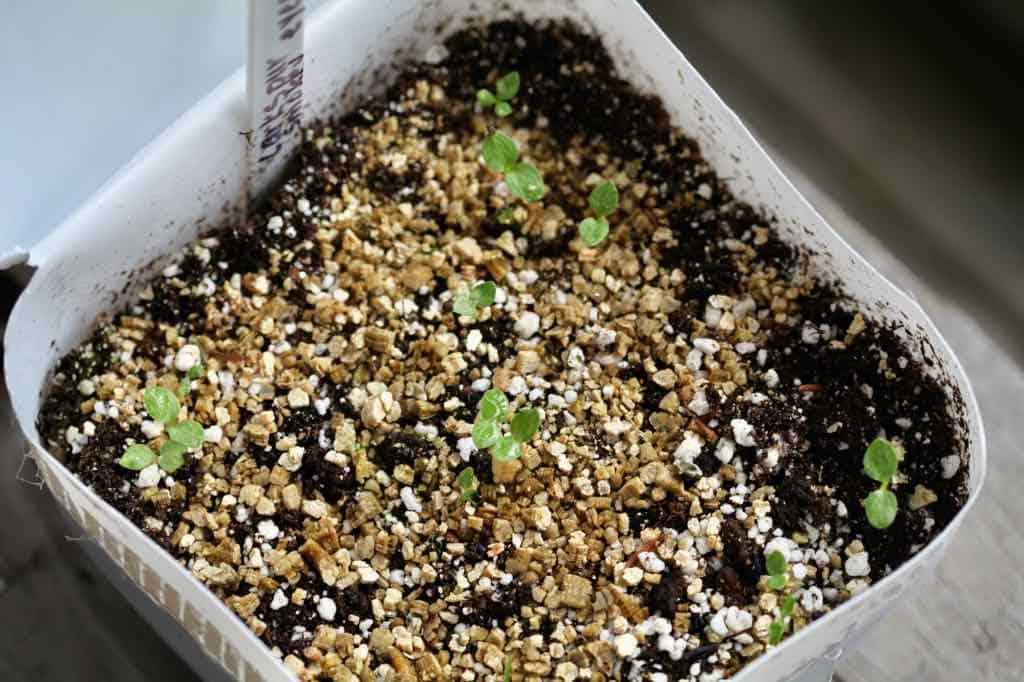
[(273, 87), (194, 177)]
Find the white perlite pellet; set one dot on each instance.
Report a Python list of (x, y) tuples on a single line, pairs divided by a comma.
[(326, 608), (688, 450), (517, 386), (188, 357), (292, 460), (410, 501), (213, 434), (633, 575), (149, 477), (725, 450), (298, 398), (268, 529), (626, 645), (651, 562), (718, 625), (527, 325), (743, 432), (466, 448), (857, 566), (699, 405), (707, 346), (279, 601), (745, 347), (151, 429)]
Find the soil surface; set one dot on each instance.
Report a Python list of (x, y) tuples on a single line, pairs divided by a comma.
[(705, 399)]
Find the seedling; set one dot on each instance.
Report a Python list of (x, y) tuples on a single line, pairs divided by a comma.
[(185, 385), (777, 628), (507, 675), (778, 578), (467, 484), (604, 200), (777, 570), (506, 88), (502, 156), (506, 216), (500, 152), (490, 420), (162, 405), (880, 463), (480, 296)]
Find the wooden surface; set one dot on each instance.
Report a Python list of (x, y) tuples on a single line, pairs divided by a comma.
[(60, 618)]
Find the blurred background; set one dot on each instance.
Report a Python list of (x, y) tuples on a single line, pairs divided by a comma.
[(904, 116)]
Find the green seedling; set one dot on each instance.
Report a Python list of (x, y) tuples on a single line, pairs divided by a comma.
[(502, 156), (505, 89), (488, 431), (778, 578), (604, 200), (163, 406), (880, 463), (778, 569), (507, 674), (778, 627), (506, 216), (480, 296), (185, 385), (467, 483)]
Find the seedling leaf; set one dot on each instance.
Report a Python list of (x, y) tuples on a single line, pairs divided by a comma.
[(172, 456), (775, 630), (525, 425), (503, 109), (467, 483), (485, 433), (485, 97), (493, 405), (880, 460), (506, 449), (188, 433), (593, 231), (483, 294), (524, 181), (463, 305), (137, 457), (161, 404), (881, 507), (788, 604), (604, 199), (777, 564), (500, 152), (507, 86)]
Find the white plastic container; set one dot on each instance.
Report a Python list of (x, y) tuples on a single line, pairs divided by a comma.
[(192, 178)]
